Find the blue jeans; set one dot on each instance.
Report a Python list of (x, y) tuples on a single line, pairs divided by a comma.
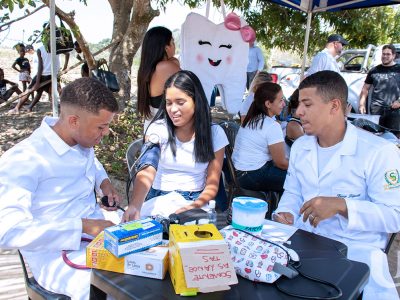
[(191, 196), (267, 178), (221, 199)]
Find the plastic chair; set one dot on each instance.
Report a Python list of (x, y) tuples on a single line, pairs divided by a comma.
[(234, 189), (34, 290), (131, 156)]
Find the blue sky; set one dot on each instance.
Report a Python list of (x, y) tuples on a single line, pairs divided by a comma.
[(87, 17)]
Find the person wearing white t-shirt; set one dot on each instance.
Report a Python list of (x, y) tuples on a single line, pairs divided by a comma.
[(191, 148), (260, 78), (326, 59), (259, 153)]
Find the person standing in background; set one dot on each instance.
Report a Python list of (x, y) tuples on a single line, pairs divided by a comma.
[(326, 59), (157, 64), (256, 63), (385, 81), (24, 68)]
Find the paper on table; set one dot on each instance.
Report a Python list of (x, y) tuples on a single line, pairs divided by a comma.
[(208, 266), (277, 232), (164, 205)]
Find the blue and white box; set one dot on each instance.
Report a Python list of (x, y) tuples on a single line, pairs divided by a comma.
[(133, 236)]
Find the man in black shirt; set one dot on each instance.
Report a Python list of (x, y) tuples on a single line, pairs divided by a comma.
[(385, 79)]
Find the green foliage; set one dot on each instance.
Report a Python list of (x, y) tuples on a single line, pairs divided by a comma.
[(10, 4), (278, 26), (126, 127), (96, 47)]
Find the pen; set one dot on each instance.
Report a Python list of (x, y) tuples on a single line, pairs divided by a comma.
[(279, 217)]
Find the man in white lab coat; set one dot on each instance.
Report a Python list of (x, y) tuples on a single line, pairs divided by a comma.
[(343, 182), (47, 183)]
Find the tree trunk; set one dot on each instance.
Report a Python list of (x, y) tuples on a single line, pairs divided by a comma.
[(131, 20)]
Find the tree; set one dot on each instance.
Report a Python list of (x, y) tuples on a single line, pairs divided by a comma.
[(131, 20), (276, 26), (281, 27)]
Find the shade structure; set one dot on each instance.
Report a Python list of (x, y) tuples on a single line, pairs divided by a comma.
[(314, 6), (332, 5)]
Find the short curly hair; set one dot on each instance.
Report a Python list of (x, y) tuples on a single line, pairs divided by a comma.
[(89, 94)]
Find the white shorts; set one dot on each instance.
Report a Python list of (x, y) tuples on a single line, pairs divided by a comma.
[(25, 76)]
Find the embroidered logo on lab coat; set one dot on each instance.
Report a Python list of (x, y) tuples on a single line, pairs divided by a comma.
[(392, 179)]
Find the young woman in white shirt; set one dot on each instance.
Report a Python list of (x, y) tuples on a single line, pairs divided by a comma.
[(192, 149), (259, 151)]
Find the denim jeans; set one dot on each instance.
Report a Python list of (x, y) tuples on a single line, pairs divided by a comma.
[(191, 196), (221, 198), (267, 178)]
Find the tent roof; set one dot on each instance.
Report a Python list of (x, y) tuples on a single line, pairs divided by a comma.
[(332, 5)]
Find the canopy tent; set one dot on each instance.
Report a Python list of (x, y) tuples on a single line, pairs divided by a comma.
[(314, 6)]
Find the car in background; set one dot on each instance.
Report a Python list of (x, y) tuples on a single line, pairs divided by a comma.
[(354, 67)]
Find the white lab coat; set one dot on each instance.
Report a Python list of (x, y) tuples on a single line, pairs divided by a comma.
[(46, 187), (365, 172)]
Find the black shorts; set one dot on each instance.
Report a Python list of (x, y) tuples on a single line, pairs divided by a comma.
[(46, 88), (7, 95)]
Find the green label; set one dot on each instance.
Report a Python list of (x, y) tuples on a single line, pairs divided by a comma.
[(132, 226), (247, 228)]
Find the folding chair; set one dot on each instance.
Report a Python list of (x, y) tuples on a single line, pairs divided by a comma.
[(34, 290), (132, 153), (391, 239), (234, 189)]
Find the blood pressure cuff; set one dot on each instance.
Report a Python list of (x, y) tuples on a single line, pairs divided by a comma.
[(149, 156)]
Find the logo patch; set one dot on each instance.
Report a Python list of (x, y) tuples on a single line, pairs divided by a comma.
[(392, 179)]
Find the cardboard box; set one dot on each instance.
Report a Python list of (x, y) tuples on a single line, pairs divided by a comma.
[(152, 263), (199, 259), (133, 236)]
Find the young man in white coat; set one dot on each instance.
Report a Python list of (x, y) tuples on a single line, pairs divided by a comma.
[(343, 182), (47, 188)]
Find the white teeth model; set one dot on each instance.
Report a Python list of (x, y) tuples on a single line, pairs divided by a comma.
[(218, 56)]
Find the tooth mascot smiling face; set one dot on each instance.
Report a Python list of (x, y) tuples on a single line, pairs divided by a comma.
[(217, 55)]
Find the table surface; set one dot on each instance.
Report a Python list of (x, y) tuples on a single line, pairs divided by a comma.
[(321, 257)]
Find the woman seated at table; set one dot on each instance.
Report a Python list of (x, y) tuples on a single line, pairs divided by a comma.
[(260, 78), (192, 149), (294, 130), (259, 153)]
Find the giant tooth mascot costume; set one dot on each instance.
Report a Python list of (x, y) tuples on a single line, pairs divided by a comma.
[(218, 55)]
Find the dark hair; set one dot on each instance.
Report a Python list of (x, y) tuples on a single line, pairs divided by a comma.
[(266, 91), (260, 78), (89, 94), (390, 47), (189, 83), (153, 51), (329, 84), (293, 101)]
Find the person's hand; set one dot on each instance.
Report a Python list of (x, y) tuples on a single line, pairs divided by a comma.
[(395, 105), (94, 226), (184, 208), (284, 218), (321, 208), (113, 197), (362, 109), (130, 214)]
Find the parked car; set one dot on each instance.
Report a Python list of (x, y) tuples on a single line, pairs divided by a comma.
[(354, 65)]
